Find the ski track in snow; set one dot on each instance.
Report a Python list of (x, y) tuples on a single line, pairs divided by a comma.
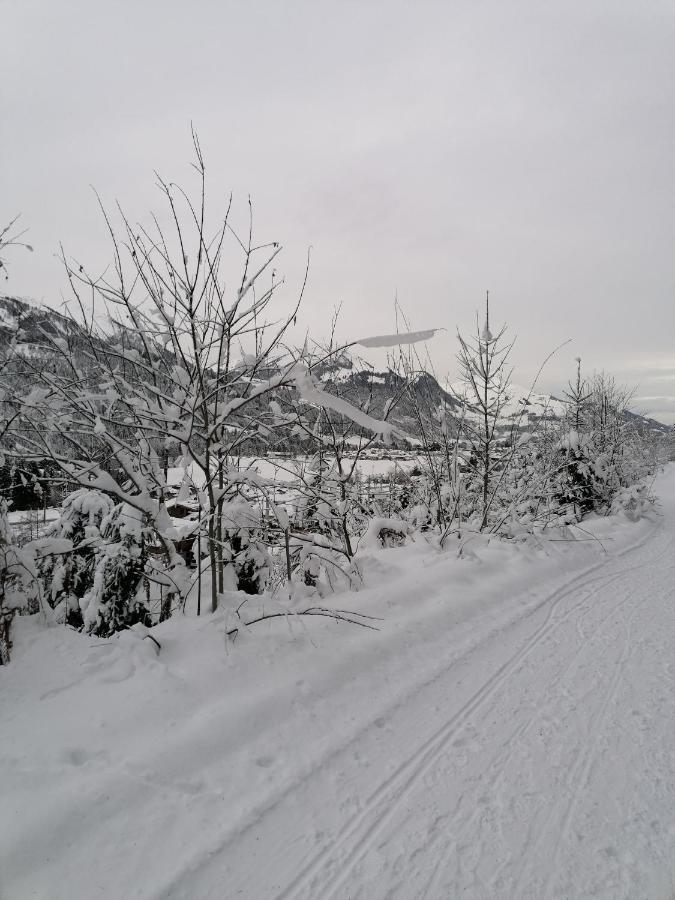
[(538, 762), (337, 869), (361, 833)]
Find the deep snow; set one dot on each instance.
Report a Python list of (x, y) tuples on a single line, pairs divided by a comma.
[(508, 733)]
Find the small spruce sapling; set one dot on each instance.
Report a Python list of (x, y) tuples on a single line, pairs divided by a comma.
[(485, 371)]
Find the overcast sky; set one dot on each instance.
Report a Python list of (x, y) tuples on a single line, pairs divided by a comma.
[(428, 151)]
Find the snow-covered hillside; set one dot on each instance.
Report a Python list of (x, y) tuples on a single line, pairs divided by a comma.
[(351, 378), (29, 322), (520, 408), (508, 732)]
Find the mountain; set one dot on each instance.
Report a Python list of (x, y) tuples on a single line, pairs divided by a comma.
[(30, 322), (416, 404), (651, 425), (417, 401), (419, 405)]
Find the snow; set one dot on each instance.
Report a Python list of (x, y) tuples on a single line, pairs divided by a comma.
[(509, 732), (17, 517), (338, 375), (285, 469), (518, 403), (7, 320), (372, 539)]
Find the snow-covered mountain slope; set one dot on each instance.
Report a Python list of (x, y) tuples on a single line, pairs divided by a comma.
[(29, 322), (520, 407), (507, 733), (417, 402)]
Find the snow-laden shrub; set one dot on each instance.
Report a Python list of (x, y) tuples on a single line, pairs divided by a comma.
[(246, 559), (385, 533), (322, 569), (334, 502), (17, 583), (82, 513), (115, 602), (634, 502), (307, 567), (66, 558), (576, 487), (599, 465)]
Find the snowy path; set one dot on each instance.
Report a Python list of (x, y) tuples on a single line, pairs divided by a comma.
[(523, 750), (541, 766)]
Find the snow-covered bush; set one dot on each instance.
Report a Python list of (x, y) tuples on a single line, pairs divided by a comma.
[(602, 451), (576, 488), (635, 502), (385, 533), (115, 600), (66, 558), (247, 563), (314, 502), (485, 470), (17, 583)]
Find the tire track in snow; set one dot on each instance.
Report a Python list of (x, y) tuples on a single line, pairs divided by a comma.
[(360, 833)]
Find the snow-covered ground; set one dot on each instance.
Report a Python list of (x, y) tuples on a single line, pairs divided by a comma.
[(509, 732), (283, 470)]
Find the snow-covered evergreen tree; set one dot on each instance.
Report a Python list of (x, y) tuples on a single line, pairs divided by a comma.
[(115, 600), (66, 557)]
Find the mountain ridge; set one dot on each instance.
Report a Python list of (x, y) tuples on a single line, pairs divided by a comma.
[(421, 399)]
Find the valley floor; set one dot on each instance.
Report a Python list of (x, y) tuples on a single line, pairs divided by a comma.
[(509, 732)]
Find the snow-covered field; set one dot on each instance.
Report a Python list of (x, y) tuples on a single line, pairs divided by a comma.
[(283, 470), (509, 732)]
